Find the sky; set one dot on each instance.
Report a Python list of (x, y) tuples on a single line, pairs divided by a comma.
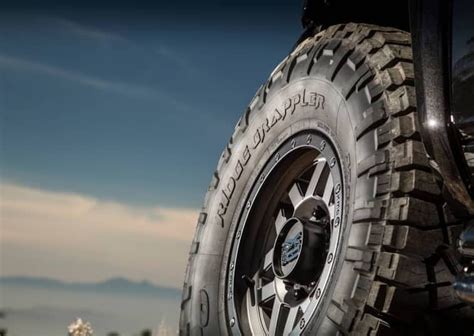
[(112, 119)]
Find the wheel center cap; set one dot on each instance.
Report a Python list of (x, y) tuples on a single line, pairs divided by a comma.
[(300, 250), (288, 247)]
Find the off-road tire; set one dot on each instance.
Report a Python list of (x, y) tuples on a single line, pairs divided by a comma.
[(399, 230)]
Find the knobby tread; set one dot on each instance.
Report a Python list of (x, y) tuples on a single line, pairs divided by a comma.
[(404, 213), (400, 268)]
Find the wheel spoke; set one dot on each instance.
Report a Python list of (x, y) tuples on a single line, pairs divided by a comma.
[(275, 319), (295, 195), (280, 220), (318, 169), (328, 189), (331, 211), (265, 293), (252, 292), (267, 263), (291, 320), (304, 305)]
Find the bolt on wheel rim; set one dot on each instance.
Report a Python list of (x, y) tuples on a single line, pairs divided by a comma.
[(282, 259)]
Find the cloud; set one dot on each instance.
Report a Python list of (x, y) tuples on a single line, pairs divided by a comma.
[(177, 58), (129, 89), (88, 31), (163, 51), (80, 238)]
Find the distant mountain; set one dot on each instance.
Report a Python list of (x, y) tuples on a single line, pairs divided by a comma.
[(113, 285)]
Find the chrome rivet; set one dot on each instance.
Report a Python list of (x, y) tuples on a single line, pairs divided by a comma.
[(322, 145), (333, 162), (330, 258), (232, 265), (338, 188), (249, 204), (293, 143), (238, 234), (302, 323), (277, 157), (318, 293), (232, 322), (309, 138), (337, 221)]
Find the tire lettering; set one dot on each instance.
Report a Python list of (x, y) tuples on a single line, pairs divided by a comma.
[(304, 99)]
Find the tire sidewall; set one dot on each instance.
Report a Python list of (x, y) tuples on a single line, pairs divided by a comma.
[(305, 104)]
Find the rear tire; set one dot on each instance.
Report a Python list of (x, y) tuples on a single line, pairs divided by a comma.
[(393, 271)]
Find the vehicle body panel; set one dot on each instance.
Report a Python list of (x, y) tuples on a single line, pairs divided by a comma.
[(462, 76)]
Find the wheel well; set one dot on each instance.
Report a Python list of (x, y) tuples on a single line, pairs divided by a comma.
[(329, 12)]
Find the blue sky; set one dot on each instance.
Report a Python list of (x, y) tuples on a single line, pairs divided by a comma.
[(127, 105), (112, 119)]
